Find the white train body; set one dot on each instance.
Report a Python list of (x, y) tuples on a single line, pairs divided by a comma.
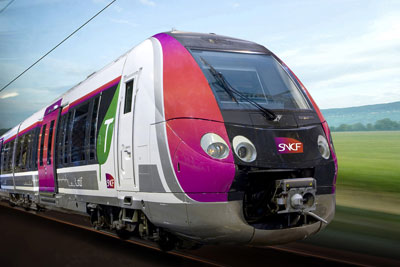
[(122, 144)]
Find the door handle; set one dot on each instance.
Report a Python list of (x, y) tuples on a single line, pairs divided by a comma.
[(127, 150)]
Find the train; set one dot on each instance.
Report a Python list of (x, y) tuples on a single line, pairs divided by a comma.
[(187, 139)]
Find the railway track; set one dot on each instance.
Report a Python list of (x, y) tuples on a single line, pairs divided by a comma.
[(301, 255)]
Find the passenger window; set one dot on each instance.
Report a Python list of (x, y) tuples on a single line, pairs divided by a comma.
[(60, 141), (34, 149), (10, 157), (67, 136), (42, 145), (93, 130), (128, 96), (4, 157), (24, 151), (79, 134), (18, 151), (1, 156)]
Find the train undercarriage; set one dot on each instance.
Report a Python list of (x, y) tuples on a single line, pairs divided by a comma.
[(125, 223)]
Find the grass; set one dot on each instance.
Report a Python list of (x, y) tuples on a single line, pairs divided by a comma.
[(368, 161), (367, 216)]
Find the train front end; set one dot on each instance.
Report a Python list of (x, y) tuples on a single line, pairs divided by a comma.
[(249, 147)]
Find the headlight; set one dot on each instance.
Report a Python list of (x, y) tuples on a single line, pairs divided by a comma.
[(323, 147), (244, 149), (214, 146)]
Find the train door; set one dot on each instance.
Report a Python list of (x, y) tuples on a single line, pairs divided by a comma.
[(127, 179), (46, 150)]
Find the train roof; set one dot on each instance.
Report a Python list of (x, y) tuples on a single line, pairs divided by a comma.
[(211, 41)]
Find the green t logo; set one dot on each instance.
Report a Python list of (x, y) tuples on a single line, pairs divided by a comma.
[(107, 123), (106, 130)]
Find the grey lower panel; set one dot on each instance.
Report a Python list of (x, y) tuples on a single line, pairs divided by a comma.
[(78, 180), (149, 179), (210, 223), (77, 203), (215, 223), (171, 216), (7, 181), (26, 180)]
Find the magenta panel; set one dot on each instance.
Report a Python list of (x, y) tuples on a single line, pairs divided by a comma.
[(188, 95), (46, 170), (202, 178)]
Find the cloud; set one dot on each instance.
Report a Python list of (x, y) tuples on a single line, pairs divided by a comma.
[(118, 9), (99, 1), (147, 2), (9, 95), (124, 21), (348, 70)]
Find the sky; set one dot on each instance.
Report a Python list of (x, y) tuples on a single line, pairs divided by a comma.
[(347, 53)]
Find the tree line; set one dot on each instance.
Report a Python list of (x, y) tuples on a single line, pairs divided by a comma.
[(385, 124), (3, 131)]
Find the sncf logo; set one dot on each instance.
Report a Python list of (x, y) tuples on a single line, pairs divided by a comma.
[(288, 145), (110, 181)]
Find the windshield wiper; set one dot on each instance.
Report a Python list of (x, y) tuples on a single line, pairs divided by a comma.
[(230, 90), (220, 79)]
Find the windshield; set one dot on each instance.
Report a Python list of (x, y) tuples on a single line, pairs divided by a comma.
[(259, 78)]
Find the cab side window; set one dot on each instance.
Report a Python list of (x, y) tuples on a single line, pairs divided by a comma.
[(128, 97)]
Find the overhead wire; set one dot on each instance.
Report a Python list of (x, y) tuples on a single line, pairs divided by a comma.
[(4, 8), (66, 38)]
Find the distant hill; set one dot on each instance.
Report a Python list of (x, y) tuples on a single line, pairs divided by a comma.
[(362, 114)]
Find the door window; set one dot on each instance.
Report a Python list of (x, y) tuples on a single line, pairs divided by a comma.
[(42, 145), (128, 96), (49, 143)]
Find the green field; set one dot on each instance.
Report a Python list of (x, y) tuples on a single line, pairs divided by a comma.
[(367, 219), (368, 161)]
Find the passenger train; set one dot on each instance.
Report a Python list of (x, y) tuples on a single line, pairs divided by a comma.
[(187, 139)]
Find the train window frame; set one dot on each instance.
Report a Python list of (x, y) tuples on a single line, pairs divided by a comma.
[(10, 156), (4, 162), (49, 142), (3, 157), (60, 141), (17, 156), (42, 137), (128, 101), (92, 133), (23, 152), (20, 151), (27, 144), (67, 139), (83, 120), (35, 148)]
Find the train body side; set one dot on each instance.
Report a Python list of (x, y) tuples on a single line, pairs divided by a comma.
[(138, 123)]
